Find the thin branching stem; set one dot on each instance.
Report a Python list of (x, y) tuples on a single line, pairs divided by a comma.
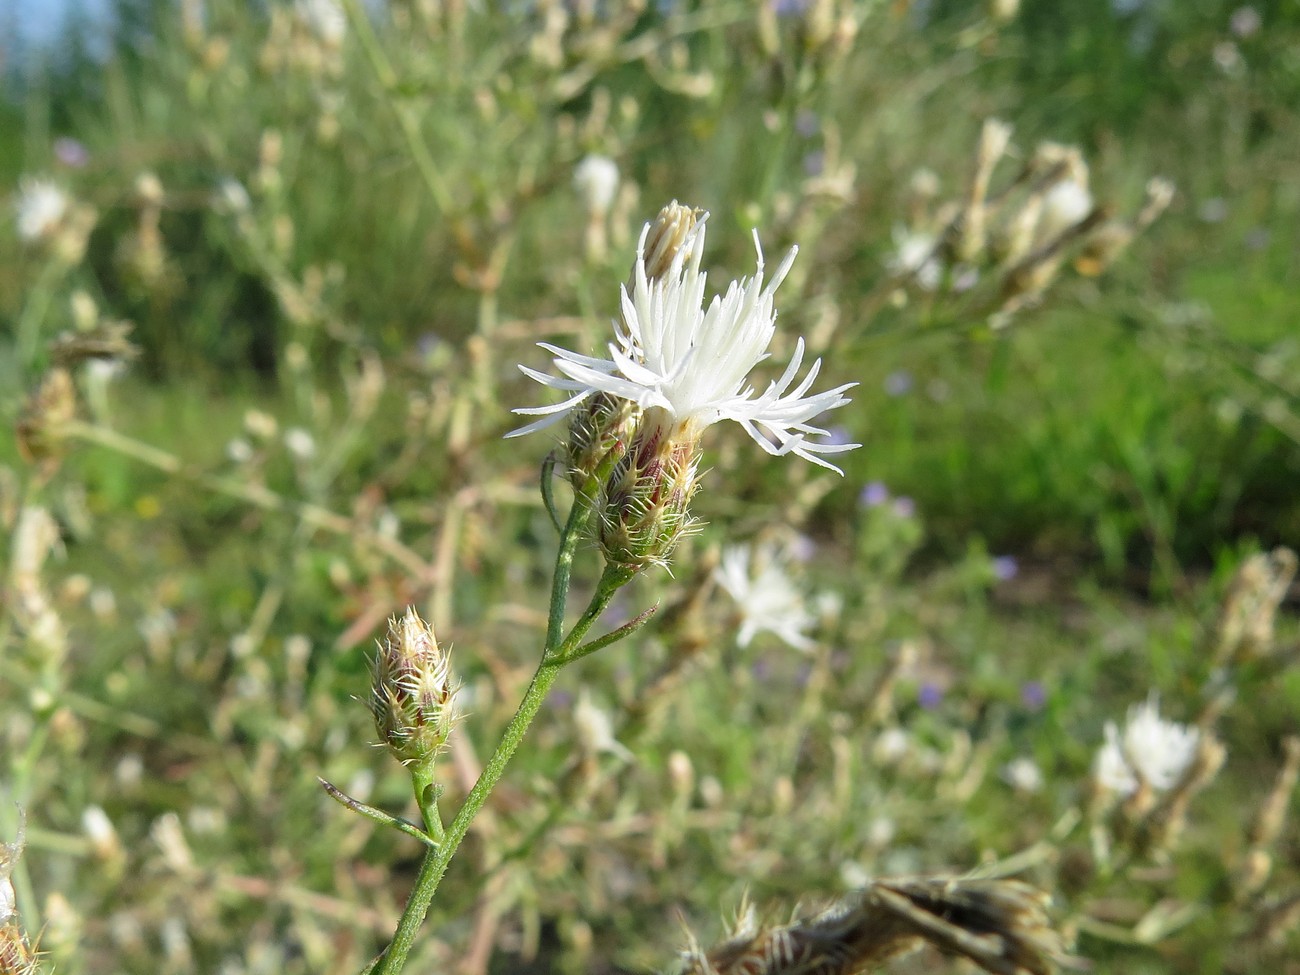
[(554, 654)]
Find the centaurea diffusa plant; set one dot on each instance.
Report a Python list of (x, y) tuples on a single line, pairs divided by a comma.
[(636, 421)]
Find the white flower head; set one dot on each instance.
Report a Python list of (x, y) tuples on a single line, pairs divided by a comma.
[(1150, 750), (674, 354), (1064, 205), (1023, 774), (324, 18), (914, 255), (300, 443), (596, 180), (596, 729), (40, 207), (765, 595)]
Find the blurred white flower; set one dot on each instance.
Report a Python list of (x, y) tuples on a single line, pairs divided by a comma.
[(1064, 205), (595, 729), (240, 451), (767, 599), (99, 830), (1245, 21), (1023, 774), (40, 207), (891, 746), (300, 443), (231, 196), (8, 903), (596, 180), (673, 354), (1149, 750), (914, 255), (324, 18)]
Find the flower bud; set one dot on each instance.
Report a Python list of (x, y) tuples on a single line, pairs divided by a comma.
[(47, 410), (644, 509), (412, 693), (669, 232), (599, 432)]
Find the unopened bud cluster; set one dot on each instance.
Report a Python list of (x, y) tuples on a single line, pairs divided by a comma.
[(1015, 237), (412, 691)]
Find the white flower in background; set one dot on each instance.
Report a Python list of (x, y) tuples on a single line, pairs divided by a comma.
[(596, 180), (1023, 774), (324, 18), (596, 730), (891, 746), (300, 443), (1149, 750), (767, 599), (8, 903), (40, 207), (914, 255), (240, 451), (673, 354), (1064, 205), (231, 196)]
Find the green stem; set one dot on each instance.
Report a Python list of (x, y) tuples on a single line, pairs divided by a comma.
[(436, 861), (407, 119), (378, 815), (35, 311), (427, 794)]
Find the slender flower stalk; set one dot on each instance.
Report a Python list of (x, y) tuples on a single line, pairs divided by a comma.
[(635, 425)]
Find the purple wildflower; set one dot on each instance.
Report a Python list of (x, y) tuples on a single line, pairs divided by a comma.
[(874, 495)]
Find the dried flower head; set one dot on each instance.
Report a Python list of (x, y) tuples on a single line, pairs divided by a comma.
[(413, 696), (47, 410), (1001, 925)]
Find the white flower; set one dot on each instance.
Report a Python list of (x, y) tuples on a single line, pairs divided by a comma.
[(767, 599), (596, 180), (891, 746), (1150, 750), (1023, 774), (1064, 205), (231, 196), (596, 730), (40, 207), (914, 255), (8, 903), (240, 451), (673, 354), (300, 443), (324, 18)]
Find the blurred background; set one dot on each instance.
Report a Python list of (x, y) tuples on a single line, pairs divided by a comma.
[(267, 273)]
